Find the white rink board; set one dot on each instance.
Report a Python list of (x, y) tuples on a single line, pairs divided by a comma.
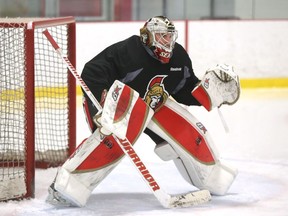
[(255, 48)]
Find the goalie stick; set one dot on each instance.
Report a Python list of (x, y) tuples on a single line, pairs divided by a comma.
[(167, 200), (224, 123)]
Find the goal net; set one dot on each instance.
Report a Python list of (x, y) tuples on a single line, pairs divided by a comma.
[(37, 101)]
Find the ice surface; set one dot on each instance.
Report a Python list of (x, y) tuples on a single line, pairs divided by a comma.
[(257, 145)]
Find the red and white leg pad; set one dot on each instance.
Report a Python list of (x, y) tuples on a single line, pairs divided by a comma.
[(191, 149), (124, 114), (92, 161), (124, 108)]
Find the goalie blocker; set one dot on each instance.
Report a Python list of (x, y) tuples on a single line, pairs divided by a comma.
[(188, 144)]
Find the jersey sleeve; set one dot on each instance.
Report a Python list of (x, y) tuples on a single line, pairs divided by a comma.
[(100, 72), (106, 67), (190, 80), (184, 95)]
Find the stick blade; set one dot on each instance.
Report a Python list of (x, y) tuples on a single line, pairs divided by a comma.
[(190, 199)]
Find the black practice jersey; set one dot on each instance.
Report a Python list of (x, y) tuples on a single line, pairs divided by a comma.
[(130, 62)]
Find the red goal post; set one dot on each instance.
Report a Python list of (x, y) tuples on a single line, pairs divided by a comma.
[(37, 101)]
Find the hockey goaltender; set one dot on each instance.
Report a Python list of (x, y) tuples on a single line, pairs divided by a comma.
[(142, 83)]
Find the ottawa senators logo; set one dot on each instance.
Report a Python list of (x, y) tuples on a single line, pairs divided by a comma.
[(156, 95)]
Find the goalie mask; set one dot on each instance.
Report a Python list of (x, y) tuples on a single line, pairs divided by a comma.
[(159, 35)]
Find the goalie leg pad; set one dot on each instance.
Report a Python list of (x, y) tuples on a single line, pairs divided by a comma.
[(124, 112), (197, 157), (70, 188), (126, 115), (92, 161), (165, 151), (216, 178)]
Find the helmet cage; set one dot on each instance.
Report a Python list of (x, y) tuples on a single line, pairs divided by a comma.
[(160, 35), (164, 39), (164, 28)]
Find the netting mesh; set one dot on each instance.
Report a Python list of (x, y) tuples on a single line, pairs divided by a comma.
[(12, 110), (51, 104), (51, 79)]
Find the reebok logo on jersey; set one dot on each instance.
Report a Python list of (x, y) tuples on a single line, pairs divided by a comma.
[(175, 69)]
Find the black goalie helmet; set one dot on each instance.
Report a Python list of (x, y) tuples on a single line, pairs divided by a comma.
[(159, 34)]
